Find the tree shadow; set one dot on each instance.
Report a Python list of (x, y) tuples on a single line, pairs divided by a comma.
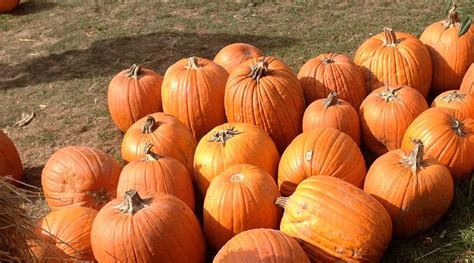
[(26, 8)]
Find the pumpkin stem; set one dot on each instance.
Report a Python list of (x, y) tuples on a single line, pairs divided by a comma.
[(390, 94), (149, 125), (134, 71), (100, 197), (223, 135), (260, 69), (327, 61), (331, 99), (390, 37), (150, 155), (282, 201), (458, 127), (452, 16), (132, 203), (415, 160), (193, 63), (454, 95)]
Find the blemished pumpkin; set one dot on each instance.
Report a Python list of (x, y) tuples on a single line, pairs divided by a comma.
[(395, 58), (334, 113), (458, 100), (264, 91), (385, 115), (336, 221), (321, 151), (240, 198), (161, 229), (327, 72), (261, 245), (193, 91), (230, 56), (80, 176), (133, 93), (414, 189), (10, 161), (8, 5), (467, 85)]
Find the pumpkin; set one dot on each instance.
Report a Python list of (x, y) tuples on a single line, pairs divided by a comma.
[(8, 5), (69, 229), (333, 113), (395, 58), (10, 162), (456, 99), (229, 144), (336, 221), (264, 91), (234, 54), (80, 176), (169, 137), (157, 174), (159, 229), (240, 198), (193, 91), (447, 135), (386, 114), (328, 72), (261, 245), (414, 189), (451, 54), (467, 85), (44, 252), (321, 151), (133, 93)]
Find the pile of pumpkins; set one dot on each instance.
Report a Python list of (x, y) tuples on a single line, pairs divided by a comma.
[(259, 164)]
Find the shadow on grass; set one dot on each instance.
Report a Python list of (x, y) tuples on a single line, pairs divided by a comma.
[(27, 8)]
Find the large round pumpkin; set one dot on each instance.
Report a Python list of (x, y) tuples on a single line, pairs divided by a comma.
[(80, 176), (230, 56), (132, 94), (261, 245), (229, 144), (193, 91), (161, 229), (10, 162), (240, 198), (467, 85), (336, 221), (8, 5), (391, 58), (264, 91), (328, 72), (455, 99), (321, 151), (386, 114), (416, 190)]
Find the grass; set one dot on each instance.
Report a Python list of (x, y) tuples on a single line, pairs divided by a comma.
[(58, 57)]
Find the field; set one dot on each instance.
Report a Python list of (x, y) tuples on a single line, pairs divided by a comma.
[(57, 58)]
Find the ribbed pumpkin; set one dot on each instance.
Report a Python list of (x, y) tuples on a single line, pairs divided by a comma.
[(80, 176), (10, 162), (230, 144), (328, 72), (132, 94), (451, 54), (230, 56), (240, 198), (333, 113), (265, 92), (455, 99), (161, 229), (261, 245), (447, 135), (168, 135), (467, 85), (336, 221), (395, 58), (386, 114), (8, 5), (193, 91), (69, 229), (321, 151), (416, 190), (44, 252), (157, 174)]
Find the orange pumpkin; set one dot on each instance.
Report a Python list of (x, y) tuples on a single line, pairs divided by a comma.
[(467, 85), (44, 252), (395, 58), (10, 162), (455, 99), (235, 54), (8, 5)]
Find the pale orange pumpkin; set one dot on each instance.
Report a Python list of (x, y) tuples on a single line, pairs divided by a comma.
[(458, 100), (230, 56)]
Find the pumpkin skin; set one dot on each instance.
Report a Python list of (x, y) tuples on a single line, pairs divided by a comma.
[(240, 198), (467, 85), (193, 91), (133, 93), (333, 113), (229, 144), (161, 229), (342, 222), (8, 5), (391, 58), (10, 162), (230, 56), (168, 135), (458, 100), (415, 190), (44, 252), (321, 151), (80, 176), (327, 72), (261, 245), (447, 135), (265, 92), (386, 114)]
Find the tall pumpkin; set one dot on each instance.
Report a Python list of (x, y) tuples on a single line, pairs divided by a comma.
[(458, 100), (330, 71), (193, 91), (10, 162), (230, 56), (395, 58), (264, 91), (133, 93), (467, 85), (336, 221)]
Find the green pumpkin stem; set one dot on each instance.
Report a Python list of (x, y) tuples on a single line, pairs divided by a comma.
[(390, 37), (259, 70), (390, 94), (132, 203), (331, 99), (150, 155), (458, 127), (223, 135), (149, 125), (415, 160), (134, 71), (454, 95), (193, 63), (282, 201)]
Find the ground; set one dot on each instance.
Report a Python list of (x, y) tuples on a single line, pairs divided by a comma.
[(57, 58)]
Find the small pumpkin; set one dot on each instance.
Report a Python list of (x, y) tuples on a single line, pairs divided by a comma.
[(455, 99), (10, 162), (467, 85), (8, 5), (230, 56)]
